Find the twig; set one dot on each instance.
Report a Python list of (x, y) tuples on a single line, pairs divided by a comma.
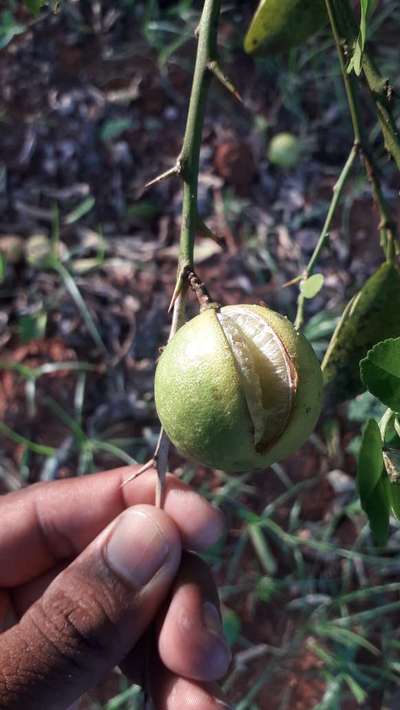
[(387, 227), (187, 166), (386, 224), (379, 87), (337, 192)]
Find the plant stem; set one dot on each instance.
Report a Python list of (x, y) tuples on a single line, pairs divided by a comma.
[(188, 168), (379, 87), (337, 192), (386, 225), (189, 157)]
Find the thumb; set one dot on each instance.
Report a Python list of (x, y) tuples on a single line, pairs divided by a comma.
[(92, 614)]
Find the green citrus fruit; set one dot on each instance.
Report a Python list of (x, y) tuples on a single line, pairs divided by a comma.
[(284, 150), (238, 388), (279, 25), (372, 315)]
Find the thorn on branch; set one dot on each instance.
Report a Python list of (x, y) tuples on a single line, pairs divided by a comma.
[(175, 170), (215, 69), (159, 461), (293, 281), (177, 290), (205, 231)]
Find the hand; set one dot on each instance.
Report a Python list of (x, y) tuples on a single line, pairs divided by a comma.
[(85, 569)]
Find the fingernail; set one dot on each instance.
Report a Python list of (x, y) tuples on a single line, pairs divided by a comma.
[(137, 548), (211, 618)]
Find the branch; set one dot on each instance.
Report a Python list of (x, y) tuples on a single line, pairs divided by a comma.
[(337, 192), (189, 157), (386, 224), (379, 88), (187, 166)]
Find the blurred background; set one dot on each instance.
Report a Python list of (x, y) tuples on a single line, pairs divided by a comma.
[(93, 105)]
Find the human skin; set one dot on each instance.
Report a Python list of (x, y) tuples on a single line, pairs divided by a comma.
[(89, 572)]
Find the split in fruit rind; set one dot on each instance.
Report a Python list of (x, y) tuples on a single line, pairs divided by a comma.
[(279, 25), (267, 378), (200, 398)]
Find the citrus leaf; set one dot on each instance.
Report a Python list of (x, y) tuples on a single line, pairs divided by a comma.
[(370, 462), (311, 286), (380, 372), (378, 511)]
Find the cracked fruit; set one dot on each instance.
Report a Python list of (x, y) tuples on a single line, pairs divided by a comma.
[(238, 388)]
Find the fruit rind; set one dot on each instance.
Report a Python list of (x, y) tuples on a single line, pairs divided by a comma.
[(372, 315), (279, 25), (201, 404)]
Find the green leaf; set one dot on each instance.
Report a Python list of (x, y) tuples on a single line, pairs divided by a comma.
[(380, 372), (266, 588), (311, 286), (3, 267), (78, 212), (378, 511), (355, 64), (34, 5), (358, 692), (367, 8), (32, 327), (114, 127), (9, 28), (232, 626), (262, 549), (370, 461)]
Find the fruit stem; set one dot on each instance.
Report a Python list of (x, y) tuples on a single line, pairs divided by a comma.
[(337, 192), (387, 228)]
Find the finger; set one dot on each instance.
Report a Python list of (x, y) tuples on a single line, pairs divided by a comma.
[(191, 641), (25, 595), (91, 614), (51, 522), (7, 613), (171, 692)]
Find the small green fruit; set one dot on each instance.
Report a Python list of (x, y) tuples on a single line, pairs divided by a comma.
[(238, 388), (284, 150), (280, 25)]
